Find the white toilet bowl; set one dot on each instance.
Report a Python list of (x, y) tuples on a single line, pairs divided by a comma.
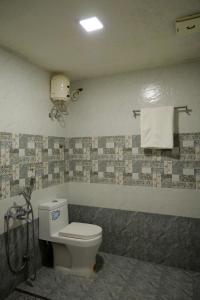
[(75, 245)]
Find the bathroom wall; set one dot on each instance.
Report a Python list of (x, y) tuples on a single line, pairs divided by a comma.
[(161, 239), (25, 104), (147, 201), (121, 160), (105, 106), (24, 156), (30, 144), (104, 110)]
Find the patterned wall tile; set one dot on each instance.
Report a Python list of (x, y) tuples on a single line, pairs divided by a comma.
[(23, 156), (106, 159), (94, 142), (121, 160)]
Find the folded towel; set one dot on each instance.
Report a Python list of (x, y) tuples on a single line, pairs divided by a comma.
[(157, 126)]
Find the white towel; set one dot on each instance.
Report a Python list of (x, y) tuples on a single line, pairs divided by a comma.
[(157, 126)]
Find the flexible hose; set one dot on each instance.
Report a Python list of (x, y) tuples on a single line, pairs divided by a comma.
[(32, 277), (7, 236)]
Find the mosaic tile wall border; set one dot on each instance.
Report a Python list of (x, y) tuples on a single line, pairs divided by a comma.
[(106, 159), (23, 156), (121, 160)]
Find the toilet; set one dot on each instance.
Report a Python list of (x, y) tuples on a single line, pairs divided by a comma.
[(75, 245)]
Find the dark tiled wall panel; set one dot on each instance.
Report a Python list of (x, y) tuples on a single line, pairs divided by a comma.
[(169, 240), (8, 280), (121, 160)]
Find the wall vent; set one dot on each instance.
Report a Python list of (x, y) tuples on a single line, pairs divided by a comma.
[(188, 24)]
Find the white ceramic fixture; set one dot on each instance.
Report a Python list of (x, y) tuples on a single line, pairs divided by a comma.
[(75, 245)]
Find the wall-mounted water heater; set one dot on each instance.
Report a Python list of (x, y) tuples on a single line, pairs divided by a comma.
[(61, 96), (60, 85)]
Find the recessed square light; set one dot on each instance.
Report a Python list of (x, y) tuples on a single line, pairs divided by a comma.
[(91, 24)]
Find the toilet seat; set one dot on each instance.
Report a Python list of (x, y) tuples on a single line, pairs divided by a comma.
[(81, 231)]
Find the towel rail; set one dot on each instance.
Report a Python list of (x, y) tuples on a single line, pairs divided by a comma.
[(184, 108)]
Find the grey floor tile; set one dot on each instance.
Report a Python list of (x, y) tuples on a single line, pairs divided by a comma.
[(60, 295), (20, 296), (176, 284), (120, 262), (14, 296), (144, 280), (196, 286), (70, 287), (116, 270), (120, 278), (44, 283), (111, 280), (103, 292), (128, 294)]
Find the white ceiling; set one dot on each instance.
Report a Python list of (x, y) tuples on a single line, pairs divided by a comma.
[(137, 34)]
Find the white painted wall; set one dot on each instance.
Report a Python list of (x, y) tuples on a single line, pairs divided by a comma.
[(24, 97), (178, 202), (24, 108), (106, 104), (105, 108)]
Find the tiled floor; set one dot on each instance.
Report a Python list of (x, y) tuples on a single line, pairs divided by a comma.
[(16, 295), (121, 278)]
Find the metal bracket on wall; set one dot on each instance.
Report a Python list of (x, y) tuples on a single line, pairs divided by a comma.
[(178, 108)]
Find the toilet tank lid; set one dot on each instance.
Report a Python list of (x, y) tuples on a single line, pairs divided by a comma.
[(51, 205)]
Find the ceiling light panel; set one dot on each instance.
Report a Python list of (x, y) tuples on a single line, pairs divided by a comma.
[(91, 24)]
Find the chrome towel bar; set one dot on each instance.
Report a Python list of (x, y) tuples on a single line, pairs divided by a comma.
[(178, 108)]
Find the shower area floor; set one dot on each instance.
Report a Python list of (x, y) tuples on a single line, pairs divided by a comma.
[(120, 278)]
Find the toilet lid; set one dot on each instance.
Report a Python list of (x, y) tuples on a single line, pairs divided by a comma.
[(81, 231)]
